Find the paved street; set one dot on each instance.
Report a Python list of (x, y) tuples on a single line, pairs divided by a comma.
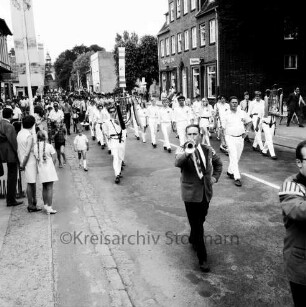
[(140, 254)]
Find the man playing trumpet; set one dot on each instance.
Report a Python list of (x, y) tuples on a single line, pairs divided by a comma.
[(200, 168)]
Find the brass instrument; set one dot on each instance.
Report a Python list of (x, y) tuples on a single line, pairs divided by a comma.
[(190, 147)]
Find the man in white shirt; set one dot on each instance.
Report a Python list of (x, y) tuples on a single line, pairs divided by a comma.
[(16, 112), (91, 109), (56, 115), (153, 120), (234, 128), (165, 119), (256, 112), (181, 118)]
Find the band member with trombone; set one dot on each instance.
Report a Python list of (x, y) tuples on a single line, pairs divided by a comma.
[(165, 119), (200, 169)]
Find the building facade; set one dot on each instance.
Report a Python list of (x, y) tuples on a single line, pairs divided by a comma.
[(212, 47), (102, 65), (5, 67)]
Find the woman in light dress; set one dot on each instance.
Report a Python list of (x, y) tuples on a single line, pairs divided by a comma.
[(143, 118), (27, 160), (46, 157)]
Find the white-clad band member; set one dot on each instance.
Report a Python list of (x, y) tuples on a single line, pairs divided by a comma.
[(165, 119), (234, 123), (196, 107), (143, 118), (268, 127), (153, 120), (91, 109), (116, 137), (256, 112), (135, 108), (101, 116), (204, 118), (182, 118), (220, 109)]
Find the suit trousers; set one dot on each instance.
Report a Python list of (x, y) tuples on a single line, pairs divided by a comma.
[(298, 294), (12, 168), (196, 213)]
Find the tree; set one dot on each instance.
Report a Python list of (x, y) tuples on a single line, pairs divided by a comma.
[(148, 60), (81, 66), (64, 63), (130, 42)]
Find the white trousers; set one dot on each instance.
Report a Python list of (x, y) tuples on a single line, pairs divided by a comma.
[(99, 134), (257, 137), (118, 155), (91, 127), (235, 148), (166, 128), (153, 129), (269, 132), (204, 125), (135, 126), (181, 126)]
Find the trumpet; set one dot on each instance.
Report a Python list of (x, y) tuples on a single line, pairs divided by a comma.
[(189, 147)]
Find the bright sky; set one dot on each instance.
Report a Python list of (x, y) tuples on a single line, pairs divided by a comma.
[(62, 24)]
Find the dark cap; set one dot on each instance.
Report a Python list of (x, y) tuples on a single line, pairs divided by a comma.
[(245, 93), (181, 97), (257, 93)]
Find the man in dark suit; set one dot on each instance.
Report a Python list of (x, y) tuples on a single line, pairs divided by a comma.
[(295, 106), (8, 154), (200, 169)]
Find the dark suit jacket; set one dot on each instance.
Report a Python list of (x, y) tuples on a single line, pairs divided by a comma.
[(8, 142), (193, 189), (293, 101)]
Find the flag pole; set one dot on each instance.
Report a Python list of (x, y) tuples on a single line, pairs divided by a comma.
[(27, 61)]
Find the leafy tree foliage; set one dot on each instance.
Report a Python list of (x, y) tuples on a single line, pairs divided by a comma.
[(64, 64), (81, 66), (140, 58)]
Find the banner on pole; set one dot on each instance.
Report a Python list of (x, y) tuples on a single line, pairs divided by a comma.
[(122, 82)]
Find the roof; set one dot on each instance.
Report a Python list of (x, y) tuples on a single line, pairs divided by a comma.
[(4, 28), (165, 28), (207, 7)]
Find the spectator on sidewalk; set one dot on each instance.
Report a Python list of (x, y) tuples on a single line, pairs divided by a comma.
[(27, 160), (60, 137), (295, 105), (8, 154), (292, 197), (46, 157)]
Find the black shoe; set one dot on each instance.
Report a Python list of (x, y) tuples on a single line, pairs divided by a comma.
[(120, 176), (301, 126), (154, 145), (102, 146), (255, 148), (33, 209), (93, 138), (264, 154), (165, 148), (204, 267), (238, 183), (15, 203), (288, 125), (109, 151), (137, 137), (169, 150), (117, 179), (99, 143), (230, 175), (274, 157)]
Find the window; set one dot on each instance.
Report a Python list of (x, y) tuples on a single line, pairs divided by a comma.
[(290, 29), (178, 8), (290, 61), (211, 81), (212, 31), (179, 42), (164, 80), (173, 44), (171, 11), (167, 19), (186, 40), (185, 7), (194, 37), (162, 48), (167, 46), (173, 79), (192, 5), (202, 34), (195, 81)]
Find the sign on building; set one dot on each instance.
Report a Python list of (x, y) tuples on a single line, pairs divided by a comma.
[(194, 61)]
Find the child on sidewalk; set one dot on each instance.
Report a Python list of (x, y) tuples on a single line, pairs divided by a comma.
[(81, 145)]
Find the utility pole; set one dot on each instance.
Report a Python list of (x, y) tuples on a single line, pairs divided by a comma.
[(26, 55)]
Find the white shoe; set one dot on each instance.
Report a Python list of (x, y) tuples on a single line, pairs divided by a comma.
[(50, 210), (46, 207)]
